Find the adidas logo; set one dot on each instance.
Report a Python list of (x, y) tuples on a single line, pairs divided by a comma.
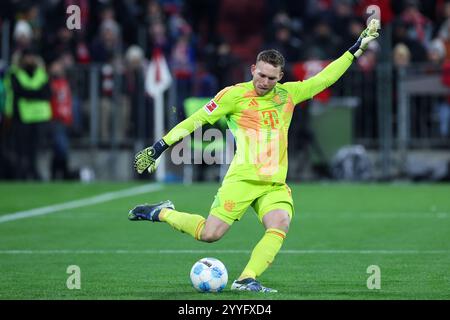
[(253, 103)]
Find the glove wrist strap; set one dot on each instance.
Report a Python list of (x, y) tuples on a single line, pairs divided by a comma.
[(355, 50), (159, 147)]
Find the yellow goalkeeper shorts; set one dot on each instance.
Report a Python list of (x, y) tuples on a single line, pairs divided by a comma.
[(233, 199)]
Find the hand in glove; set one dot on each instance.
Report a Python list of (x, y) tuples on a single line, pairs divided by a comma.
[(368, 35), (148, 159)]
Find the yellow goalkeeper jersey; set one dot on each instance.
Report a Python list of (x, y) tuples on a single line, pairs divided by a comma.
[(260, 123)]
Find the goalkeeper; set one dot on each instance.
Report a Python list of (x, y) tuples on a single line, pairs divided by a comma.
[(258, 113)]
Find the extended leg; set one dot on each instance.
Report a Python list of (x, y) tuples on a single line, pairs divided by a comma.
[(207, 230)]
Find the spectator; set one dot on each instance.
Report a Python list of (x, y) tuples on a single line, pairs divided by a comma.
[(182, 62), (107, 46), (401, 55), (443, 14), (22, 35), (437, 52), (203, 15), (62, 42), (130, 12), (343, 16), (416, 48), (139, 102), (443, 108), (106, 49), (61, 103), (221, 62), (437, 59), (153, 13), (444, 35), (159, 38), (205, 83), (177, 25), (33, 16), (324, 40), (245, 39), (284, 41), (30, 12), (318, 8), (28, 95), (419, 26)]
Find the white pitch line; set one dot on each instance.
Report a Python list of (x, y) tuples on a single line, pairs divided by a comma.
[(377, 215), (80, 203), (181, 251)]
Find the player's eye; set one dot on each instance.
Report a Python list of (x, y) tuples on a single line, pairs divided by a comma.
[(264, 76)]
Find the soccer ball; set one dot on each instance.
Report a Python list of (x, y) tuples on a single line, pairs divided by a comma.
[(209, 275)]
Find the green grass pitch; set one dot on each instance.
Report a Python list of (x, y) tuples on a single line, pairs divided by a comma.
[(338, 231)]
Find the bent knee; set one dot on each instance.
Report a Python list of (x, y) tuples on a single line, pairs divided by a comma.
[(214, 229), (277, 220), (210, 236), (284, 223)]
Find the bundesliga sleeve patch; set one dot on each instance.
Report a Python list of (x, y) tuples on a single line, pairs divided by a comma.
[(210, 106)]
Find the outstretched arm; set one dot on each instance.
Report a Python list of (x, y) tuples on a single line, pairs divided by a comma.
[(221, 105), (328, 76)]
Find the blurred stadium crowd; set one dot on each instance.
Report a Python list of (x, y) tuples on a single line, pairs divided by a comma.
[(208, 45)]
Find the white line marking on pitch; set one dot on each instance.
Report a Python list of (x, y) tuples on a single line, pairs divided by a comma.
[(377, 215), (218, 251), (80, 203)]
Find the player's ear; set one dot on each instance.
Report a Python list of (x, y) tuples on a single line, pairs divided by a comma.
[(281, 75), (252, 69)]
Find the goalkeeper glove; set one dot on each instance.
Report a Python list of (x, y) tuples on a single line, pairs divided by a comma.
[(148, 159), (369, 34)]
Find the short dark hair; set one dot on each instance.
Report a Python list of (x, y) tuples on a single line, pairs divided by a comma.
[(271, 56)]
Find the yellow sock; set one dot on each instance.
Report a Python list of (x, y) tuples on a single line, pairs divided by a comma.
[(185, 222), (264, 253)]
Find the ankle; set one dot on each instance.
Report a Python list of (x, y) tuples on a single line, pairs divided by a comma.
[(246, 276), (163, 214)]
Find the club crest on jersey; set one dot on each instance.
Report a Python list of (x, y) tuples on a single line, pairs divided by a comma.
[(210, 106)]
